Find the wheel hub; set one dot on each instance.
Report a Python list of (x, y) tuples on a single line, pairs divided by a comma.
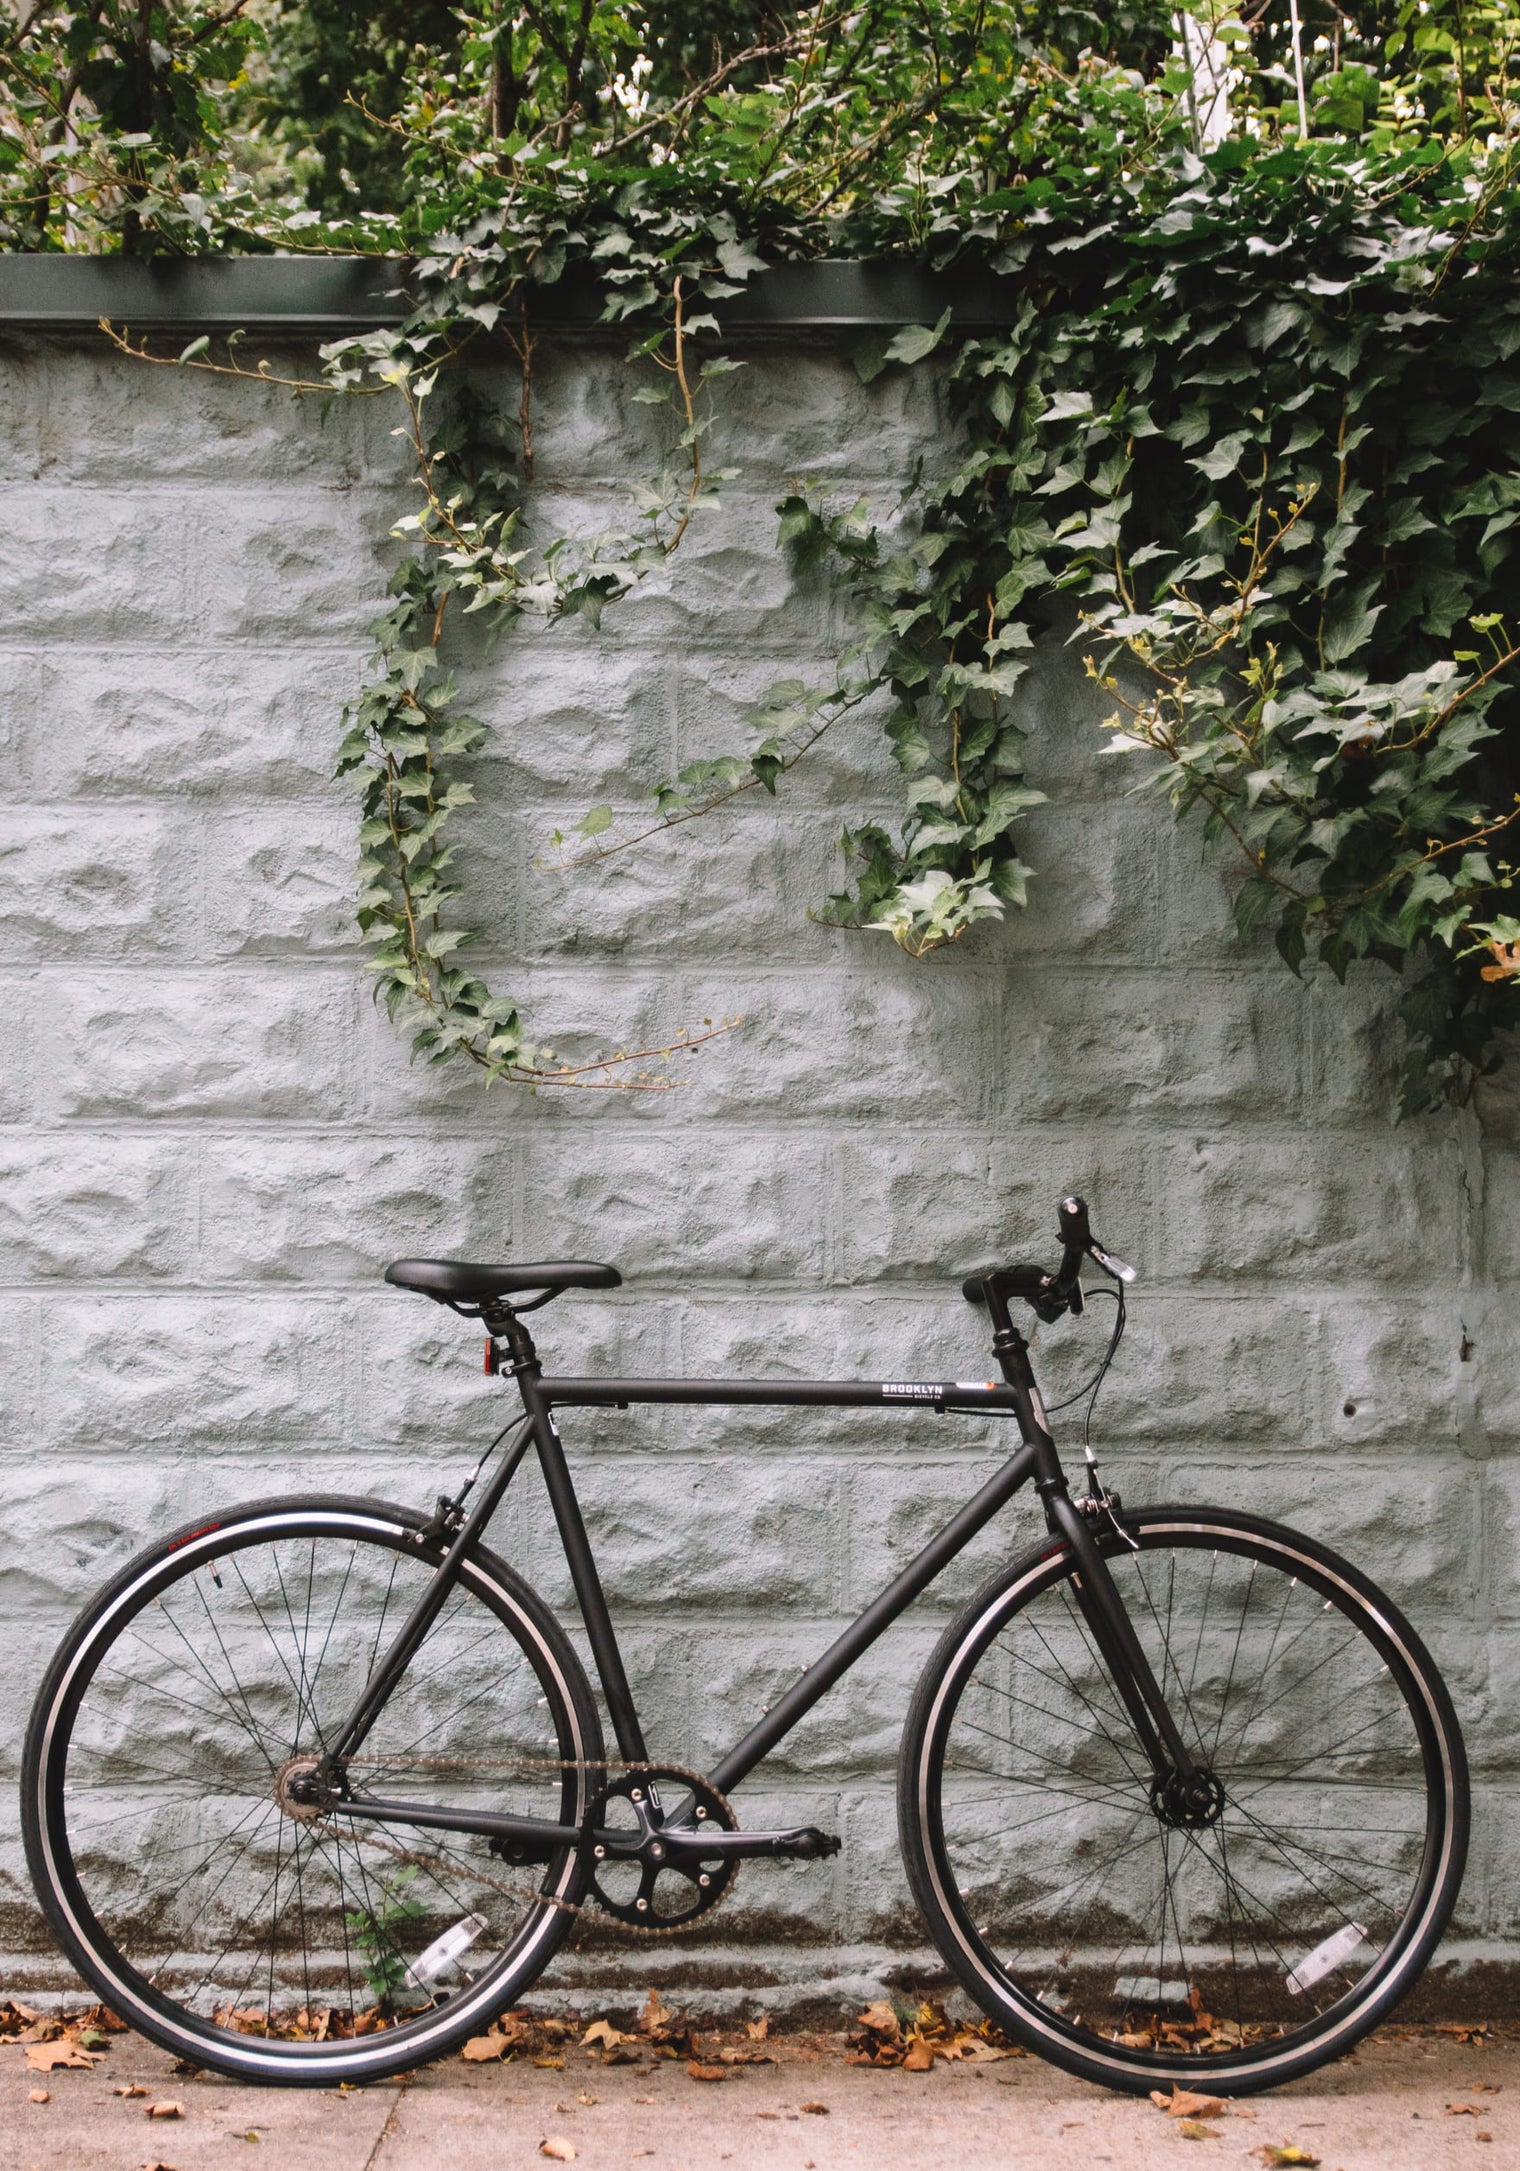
[(1187, 1804), (294, 1792)]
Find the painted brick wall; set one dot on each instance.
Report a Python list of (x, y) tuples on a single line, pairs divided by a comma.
[(210, 1145)]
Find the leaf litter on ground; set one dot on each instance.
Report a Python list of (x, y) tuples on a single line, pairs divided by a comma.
[(1186, 2103), (912, 2035)]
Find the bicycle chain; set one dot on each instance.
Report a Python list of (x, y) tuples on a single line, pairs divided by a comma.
[(514, 1889)]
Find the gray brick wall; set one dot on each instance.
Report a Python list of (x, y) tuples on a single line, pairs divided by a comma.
[(210, 1145)]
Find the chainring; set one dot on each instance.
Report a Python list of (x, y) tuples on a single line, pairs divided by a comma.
[(643, 1891)]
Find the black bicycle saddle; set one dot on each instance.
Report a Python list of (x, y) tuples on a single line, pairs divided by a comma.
[(455, 1281)]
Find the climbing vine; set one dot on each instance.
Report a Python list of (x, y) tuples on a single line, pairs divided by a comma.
[(1250, 438)]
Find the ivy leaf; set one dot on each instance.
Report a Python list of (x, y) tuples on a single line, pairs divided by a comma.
[(1349, 627), (916, 340)]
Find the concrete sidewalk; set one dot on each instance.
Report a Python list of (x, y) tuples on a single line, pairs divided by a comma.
[(1410, 2100)]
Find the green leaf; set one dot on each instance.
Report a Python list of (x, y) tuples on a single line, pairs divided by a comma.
[(916, 340)]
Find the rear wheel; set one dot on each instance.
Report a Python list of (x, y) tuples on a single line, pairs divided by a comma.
[(1231, 1941), (187, 1881)]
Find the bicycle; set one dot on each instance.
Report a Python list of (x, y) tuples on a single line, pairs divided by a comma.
[(316, 1788)]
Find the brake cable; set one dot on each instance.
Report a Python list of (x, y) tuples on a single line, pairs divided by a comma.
[(1092, 1388)]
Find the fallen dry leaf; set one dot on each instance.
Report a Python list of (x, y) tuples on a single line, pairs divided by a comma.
[(920, 2056), (555, 2145), (585, 2099), (974, 2050), (130, 2088), (1282, 2155), (815, 2110), (40, 2095), (709, 2072), (557, 2065), (159, 2165), (42, 2029), (759, 2029), (1192, 2129), (1184, 2103), (164, 2110), (881, 2020), (45, 2057), (482, 2047), (1480, 2136), (738, 2055), (655, 2015), (603, 2032), (1461, 2110)]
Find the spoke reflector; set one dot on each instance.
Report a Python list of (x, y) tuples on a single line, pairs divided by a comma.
[(1319, 1963), (446, 1951)]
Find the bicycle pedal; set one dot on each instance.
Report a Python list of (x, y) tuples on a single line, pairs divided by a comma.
[(806, 1844)]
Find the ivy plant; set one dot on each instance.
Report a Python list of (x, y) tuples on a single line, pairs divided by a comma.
[(1251, 438)]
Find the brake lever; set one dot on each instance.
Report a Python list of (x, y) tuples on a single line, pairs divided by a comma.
[(1120, 1269)]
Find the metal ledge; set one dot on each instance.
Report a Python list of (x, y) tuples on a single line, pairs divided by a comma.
[(331, 295)]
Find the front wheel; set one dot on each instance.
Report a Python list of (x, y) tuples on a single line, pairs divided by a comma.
[(1231, 1941), (186, 1879)]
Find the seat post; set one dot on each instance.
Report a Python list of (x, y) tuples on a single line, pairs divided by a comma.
[(501, 1322)]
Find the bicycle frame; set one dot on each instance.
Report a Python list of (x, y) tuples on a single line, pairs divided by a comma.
[(1036, 1460)]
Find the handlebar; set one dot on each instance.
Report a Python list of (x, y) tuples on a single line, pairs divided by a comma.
[(1052, 1294)]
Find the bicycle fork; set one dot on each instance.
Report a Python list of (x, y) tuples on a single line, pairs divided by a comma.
[(1182, 1791)]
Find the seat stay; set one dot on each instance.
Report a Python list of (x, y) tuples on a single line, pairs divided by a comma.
[(409, 1637)]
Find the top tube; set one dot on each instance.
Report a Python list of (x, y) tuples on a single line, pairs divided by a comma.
[(994, 1396)]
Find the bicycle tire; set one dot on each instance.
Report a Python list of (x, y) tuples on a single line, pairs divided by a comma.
[(123, 1840), (1070, 1965)]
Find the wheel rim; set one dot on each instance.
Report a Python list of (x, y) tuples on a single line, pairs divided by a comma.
[(184, 1867), (1221, 1941)]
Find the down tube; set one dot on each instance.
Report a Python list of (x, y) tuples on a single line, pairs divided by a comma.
[(879, 1615)]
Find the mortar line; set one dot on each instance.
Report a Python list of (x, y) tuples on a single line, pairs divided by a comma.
[(389, 2127)]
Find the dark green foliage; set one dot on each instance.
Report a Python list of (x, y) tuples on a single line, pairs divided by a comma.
[(332, 71)]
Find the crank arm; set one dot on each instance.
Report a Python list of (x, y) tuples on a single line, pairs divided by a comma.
[(805, 1843)]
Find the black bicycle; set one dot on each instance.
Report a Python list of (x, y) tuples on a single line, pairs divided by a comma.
[(316, 1787)]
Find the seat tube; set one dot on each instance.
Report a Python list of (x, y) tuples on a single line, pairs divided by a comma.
[(572, 1530)]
